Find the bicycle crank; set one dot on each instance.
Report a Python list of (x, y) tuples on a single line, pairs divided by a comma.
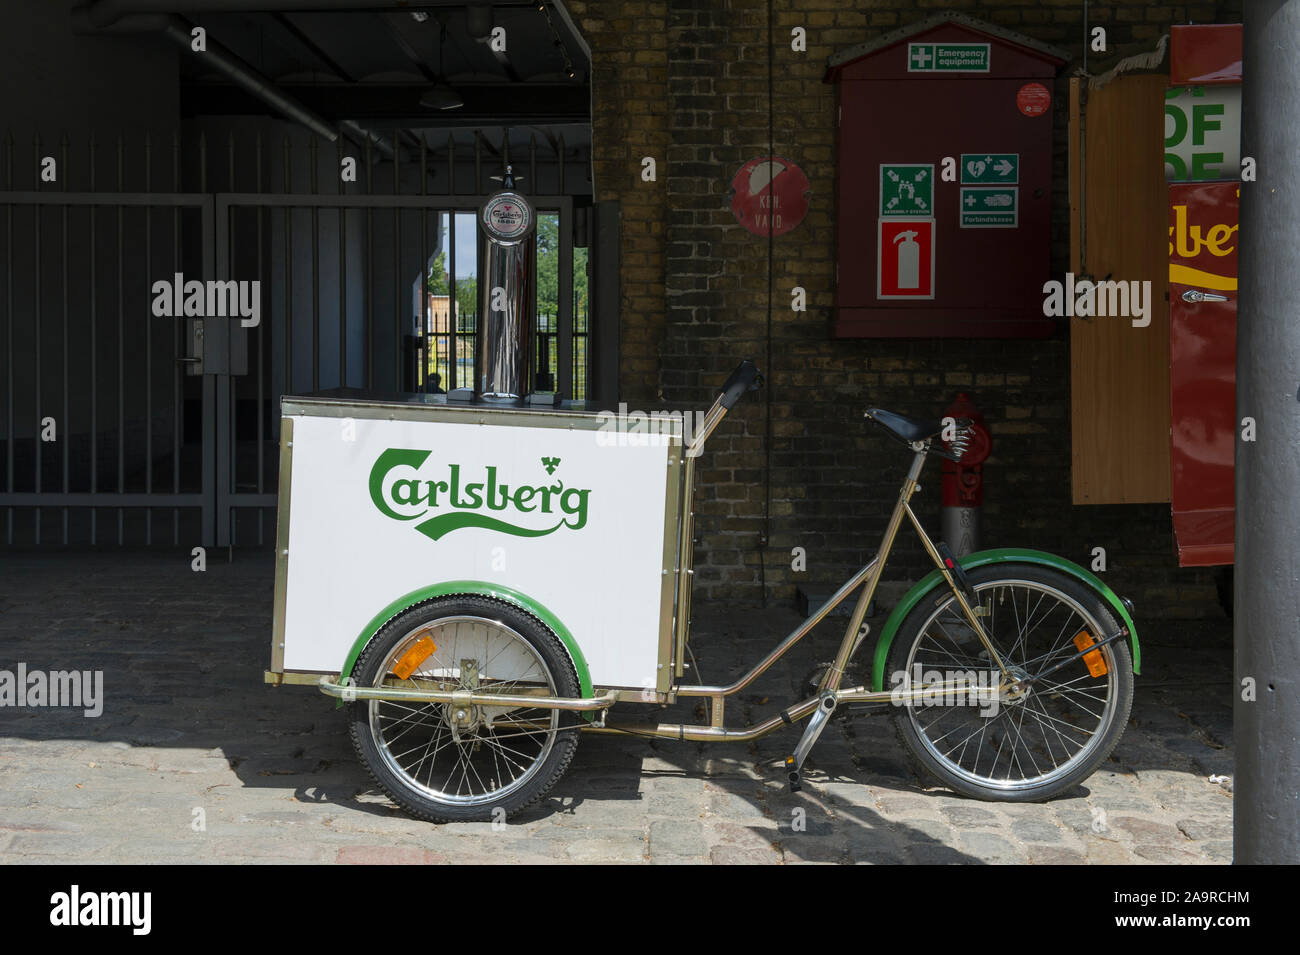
[(811, 685), (821, 716)]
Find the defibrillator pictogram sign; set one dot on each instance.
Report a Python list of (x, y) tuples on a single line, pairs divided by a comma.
[(905, 258)]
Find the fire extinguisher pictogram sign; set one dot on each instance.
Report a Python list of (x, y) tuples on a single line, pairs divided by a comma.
[(905, 258)]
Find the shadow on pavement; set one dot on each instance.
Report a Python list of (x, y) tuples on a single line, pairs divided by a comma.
[(183, 655)]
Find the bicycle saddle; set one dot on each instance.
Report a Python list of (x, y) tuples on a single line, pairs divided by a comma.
[(908, 429)]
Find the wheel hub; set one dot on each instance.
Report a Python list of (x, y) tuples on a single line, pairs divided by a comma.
[(1019, 689), (462, 715)]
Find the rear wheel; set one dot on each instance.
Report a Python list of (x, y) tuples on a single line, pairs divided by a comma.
[(1022, 747), (446, 762)]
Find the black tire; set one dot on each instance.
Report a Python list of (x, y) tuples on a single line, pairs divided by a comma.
[(514, 649), (1068, 708)]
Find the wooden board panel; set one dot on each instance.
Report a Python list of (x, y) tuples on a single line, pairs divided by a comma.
[(1119, 374), (1076, 174)]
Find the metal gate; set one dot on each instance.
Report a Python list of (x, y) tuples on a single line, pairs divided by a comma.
[(123, 425), (98, 442)]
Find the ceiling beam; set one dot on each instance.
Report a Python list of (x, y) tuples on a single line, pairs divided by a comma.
[(513, 104), (549, 137), (104, 13), (409, 51), (312, 47)]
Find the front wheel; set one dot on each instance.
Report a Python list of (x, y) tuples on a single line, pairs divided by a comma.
[(1012, 746), (450, 763)]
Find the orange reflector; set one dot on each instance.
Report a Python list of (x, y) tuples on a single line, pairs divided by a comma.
[(1096, 663), (420, 651)]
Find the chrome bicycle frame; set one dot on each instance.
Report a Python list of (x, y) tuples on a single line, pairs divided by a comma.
[(829, 694)]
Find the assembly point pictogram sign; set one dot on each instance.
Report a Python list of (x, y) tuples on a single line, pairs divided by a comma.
[(907, 189)]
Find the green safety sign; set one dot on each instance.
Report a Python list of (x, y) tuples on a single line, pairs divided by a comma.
[(907, 189), (991, 169), (947, 57), (990, 207)]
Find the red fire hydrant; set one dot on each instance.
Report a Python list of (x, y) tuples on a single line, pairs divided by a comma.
[(963, 482)]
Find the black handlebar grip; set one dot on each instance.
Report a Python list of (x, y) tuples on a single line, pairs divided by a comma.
[(744, 378)]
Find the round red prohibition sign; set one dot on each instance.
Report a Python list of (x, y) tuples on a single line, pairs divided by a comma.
[(769, 194), (1033, 99)]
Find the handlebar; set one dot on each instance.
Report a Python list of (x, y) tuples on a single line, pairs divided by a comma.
[(745, 378)]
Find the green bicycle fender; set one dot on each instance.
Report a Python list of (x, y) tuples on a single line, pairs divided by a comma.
[(475, 588), (980, 559)]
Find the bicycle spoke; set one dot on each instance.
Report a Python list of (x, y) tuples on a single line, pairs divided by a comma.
[(467, 753), (1037, 734)]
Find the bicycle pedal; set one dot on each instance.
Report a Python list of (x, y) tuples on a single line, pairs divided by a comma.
[(816, 723)]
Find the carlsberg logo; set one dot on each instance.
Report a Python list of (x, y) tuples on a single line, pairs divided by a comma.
[(446, 497)]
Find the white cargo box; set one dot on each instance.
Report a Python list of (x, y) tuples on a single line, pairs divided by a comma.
[(385, 502)]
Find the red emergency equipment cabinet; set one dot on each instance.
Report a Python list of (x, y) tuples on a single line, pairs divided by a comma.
[(944, 185)]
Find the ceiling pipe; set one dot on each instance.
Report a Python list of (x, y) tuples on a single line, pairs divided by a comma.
[(362, 135), (243, 75), (102, 13), (179, 31)]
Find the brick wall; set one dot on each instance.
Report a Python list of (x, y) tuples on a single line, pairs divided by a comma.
[(686, 82)]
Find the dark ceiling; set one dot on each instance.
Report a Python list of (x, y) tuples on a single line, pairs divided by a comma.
[(384, 45), (373, 67)]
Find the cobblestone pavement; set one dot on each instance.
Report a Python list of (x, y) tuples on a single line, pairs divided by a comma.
[(188, 725)]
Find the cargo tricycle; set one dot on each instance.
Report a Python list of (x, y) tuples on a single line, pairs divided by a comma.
[(480, 585)]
